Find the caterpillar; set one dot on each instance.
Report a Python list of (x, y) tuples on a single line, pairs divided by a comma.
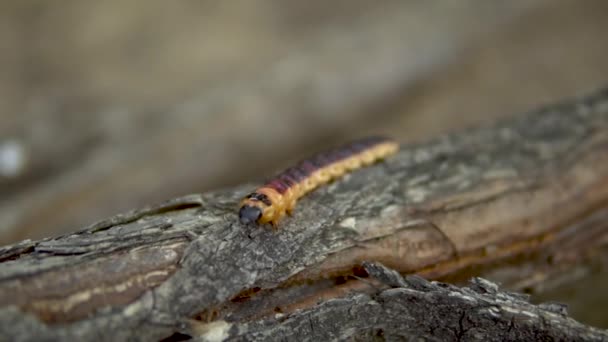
[(269, 203)]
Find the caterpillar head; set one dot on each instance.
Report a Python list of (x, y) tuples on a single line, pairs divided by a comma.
[(249, 214), (253, 207)]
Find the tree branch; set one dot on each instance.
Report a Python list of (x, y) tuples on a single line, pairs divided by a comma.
[(533, 189)]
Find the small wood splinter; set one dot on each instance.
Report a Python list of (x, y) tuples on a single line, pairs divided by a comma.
[(269, 203)]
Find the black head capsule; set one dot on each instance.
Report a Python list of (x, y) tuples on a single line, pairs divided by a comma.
[(249, 214)]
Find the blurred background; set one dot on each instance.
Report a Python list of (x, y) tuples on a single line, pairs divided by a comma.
[(108, 106)]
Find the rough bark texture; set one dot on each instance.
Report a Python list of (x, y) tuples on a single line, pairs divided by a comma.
[(534, 186), (412, 308)]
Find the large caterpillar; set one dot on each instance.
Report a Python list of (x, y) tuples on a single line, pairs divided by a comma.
[(270, 202)]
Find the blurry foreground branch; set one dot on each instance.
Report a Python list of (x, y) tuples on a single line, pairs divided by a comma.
[(532, 192)]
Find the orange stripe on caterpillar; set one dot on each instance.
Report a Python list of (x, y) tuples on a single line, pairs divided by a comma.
[(269, 203)]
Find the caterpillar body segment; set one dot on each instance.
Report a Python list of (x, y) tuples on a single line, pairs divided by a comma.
[(269, 203)]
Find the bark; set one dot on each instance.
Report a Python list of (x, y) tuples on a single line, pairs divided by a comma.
[(412, 309), (531, 191)]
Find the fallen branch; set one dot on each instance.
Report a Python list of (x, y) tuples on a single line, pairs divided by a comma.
[(534, 189)]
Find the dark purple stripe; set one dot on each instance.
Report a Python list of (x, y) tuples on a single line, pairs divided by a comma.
[(296, 174), (283, 182), (357, 147), (287, 179), (341, 153), (307, 167), (321, 160), (278, 185)]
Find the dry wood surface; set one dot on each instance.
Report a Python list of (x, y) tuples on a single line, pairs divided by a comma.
[(530, 192)]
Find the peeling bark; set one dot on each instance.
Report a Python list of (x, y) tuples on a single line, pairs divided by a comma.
[(531, 191)]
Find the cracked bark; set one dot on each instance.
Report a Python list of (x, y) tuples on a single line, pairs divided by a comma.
[(401, 309), (523, 201)]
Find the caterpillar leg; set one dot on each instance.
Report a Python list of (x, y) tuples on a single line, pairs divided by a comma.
[(289, 210), (274, 224), (275, 221)]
